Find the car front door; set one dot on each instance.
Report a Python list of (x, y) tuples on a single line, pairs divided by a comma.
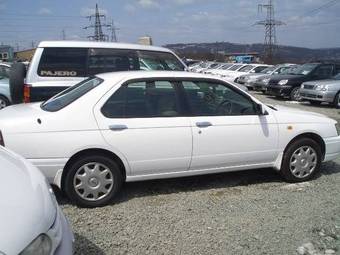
[(227, 130), (143, 121)]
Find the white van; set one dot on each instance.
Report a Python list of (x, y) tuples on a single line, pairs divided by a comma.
[(57, 65)]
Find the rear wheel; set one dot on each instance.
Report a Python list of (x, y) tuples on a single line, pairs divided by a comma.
[(4, 102), (301, 160), (93, 181)]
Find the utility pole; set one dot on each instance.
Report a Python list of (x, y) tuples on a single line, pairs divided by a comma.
[(98, 26), (32, 44), (270, 43), (113, 29), (63, 34)]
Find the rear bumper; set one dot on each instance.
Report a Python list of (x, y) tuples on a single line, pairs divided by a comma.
[(332, 148), (322, 96), (279, 90)]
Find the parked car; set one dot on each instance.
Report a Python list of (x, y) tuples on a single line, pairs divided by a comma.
[(133, 126), (215, 71), (57, 65), (225, 72), (249, 79), (31, 221), (289, 85), (251, 68), (317, 92), (5, 98)]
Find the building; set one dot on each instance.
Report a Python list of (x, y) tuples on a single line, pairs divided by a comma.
[(145, 40), (6, 53), (24, 55)]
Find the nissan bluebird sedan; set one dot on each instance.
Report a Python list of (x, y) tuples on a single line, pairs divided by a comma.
[(134, 126)]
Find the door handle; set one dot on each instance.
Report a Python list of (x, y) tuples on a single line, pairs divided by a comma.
[(117, 127), (203, 124)]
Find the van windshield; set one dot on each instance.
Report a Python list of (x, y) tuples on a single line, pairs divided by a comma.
[(70, 95)]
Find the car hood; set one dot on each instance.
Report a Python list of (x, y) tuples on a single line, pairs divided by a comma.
[(290, 77), (324, 82), (29, 208), (286, 114)]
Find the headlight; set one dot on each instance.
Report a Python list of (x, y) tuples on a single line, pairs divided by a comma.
[(283, 82), (321, 87), (42, 245), (337, 127)]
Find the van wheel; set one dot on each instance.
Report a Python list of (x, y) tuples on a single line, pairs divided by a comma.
[(17, 75), (301, 161), (4, 102), (295, 94), (93, 181), (337, 101)]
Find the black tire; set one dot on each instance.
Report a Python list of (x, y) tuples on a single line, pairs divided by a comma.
[(286, 172), (71, 192), (4, 102), (295, 94), (336, 102), (316, 103), (17, 75)]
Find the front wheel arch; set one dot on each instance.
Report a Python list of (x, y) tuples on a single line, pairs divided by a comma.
[(318, 139), (91, 152)]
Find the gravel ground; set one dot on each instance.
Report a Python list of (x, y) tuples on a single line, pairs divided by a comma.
[(249, 212)]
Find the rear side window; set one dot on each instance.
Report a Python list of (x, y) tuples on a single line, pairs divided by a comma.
[(63, 62), (70, 95), (143, 100)]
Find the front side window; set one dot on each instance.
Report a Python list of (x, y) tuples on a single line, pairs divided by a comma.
[(63, 62), (304, 69), (325, 71), (70, 95), (213, 99), (153, 60), (144, 99)]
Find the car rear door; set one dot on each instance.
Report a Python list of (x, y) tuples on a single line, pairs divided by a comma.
[(227, 131), (143, 120)]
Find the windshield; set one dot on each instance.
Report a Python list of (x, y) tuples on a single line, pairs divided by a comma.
[(70, 95), (304, 69), (246, 69), (227, 66), (268, 70), (234, 67)]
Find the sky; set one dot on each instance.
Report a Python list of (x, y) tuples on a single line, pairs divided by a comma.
[(172, 21)]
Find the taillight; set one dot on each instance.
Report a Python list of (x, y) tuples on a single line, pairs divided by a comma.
[(27, 93), (2, 142)]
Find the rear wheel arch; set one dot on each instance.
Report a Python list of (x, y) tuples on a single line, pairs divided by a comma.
[(92, 152)]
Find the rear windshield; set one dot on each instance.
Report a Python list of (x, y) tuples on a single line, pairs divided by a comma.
[(70, 95), (83, 62)]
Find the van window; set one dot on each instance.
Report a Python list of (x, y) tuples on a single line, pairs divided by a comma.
[(63, 62)]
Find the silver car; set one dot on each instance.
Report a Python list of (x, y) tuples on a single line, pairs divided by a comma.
[(5, 98), (317, 92)]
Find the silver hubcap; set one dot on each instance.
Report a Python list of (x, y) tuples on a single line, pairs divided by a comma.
[(296, 94), (303, 162), (3, 103), (93, 181)]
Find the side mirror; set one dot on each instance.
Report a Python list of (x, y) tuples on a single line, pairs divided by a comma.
[(261, 110)]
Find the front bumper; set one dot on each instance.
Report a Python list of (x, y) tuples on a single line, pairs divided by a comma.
[(279, 90), (316, 95), (65, 246), (332, 148), (260, 86)]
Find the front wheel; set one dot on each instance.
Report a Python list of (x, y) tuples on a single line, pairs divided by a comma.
[(337, 101), (93, 181), (295, 94), (301, 160)]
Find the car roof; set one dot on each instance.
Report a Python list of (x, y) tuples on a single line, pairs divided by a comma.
[(153, 74), (89, 44)]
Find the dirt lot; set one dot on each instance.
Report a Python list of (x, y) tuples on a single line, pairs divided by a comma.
[(250, 212)]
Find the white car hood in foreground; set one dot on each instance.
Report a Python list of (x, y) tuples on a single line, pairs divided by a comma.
[(26, 206)]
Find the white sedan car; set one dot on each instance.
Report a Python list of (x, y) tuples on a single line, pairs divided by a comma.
[(30, 220), (134, 126)]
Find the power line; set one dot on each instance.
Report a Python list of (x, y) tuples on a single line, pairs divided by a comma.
[(98, 26)]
